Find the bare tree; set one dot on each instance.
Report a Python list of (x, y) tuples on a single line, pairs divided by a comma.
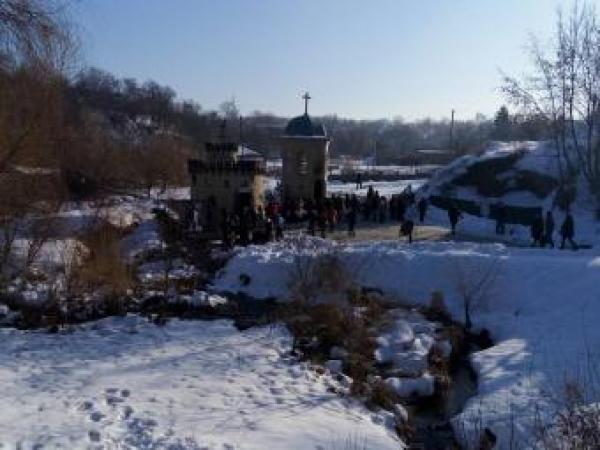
[(34, 32), (475, 284), (564, 89), (34, 43)]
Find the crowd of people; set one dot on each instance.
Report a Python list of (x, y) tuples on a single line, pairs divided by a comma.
[(343, 212), (339, 212), (373, 208), (542, 228)]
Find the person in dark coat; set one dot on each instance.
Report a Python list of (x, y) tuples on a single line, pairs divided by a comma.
[(322, 221), (567, 231), (312, 220), (351, 221), (537, 231), (279, 223), (401, 208), (549, 229), (226, 229), (453, 215), (358, 180), (245, 227), (422, 205), (268, 229), (407, 227), (500, 218)]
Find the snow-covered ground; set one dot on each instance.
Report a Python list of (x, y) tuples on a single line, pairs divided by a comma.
[(126, 383), (541, 306), (385, 188)]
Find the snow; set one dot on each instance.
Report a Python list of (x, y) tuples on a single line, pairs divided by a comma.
[(156, 270), (200, 298), (385, 188), (144, 239), (405, 387), (541, 307), (187, 385), (407, 345), (53, 254)]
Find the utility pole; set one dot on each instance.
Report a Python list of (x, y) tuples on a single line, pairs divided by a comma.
[(452, 131), (240, 132)]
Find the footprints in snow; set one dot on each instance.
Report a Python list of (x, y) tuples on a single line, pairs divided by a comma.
[(114, 399)]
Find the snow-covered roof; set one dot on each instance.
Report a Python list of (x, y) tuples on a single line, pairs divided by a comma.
[(246, 153)]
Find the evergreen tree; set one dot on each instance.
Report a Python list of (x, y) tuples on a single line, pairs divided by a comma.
[(502, 125)]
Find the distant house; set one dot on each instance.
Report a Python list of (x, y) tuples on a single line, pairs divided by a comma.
[(435, 156)]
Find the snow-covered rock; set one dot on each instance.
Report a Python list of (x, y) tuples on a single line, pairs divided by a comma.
[(334, 365), (405, 387)]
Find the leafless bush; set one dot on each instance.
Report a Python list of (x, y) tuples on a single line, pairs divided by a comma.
[(576, 422), (320, 278), (102, 267), (476, 283)]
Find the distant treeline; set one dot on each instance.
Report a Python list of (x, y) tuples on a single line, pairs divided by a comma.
[(154, 107)]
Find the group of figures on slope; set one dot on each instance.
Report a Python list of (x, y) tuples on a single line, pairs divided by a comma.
[(543, 228)]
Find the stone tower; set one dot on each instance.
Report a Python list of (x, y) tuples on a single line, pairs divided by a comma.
[(304, 153)]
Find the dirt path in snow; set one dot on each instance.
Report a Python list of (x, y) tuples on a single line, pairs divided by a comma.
[(390, 232)]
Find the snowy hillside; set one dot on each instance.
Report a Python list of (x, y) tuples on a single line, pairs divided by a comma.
[(541, 307)]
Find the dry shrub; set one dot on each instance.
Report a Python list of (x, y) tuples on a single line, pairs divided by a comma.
[(102, 267), (382, 396), (326, 323), (476, 283), (437, 309), (318, 328), (576, 424), (323, 278)]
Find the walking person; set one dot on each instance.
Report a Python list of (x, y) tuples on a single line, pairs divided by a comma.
[(322, 222), (537, 231), (549, 229), (453, 215), (408, 226), (312, 219), (567, 231), (359, 181), (501, 218), (332, 218), (401, 208), (279, 223), (423, 205), (382, 209), (351, 221)]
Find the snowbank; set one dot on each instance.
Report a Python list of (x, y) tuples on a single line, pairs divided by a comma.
[(385, 188), (541, 306)]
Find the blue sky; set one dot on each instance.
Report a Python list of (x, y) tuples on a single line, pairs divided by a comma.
[(359, 59)]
